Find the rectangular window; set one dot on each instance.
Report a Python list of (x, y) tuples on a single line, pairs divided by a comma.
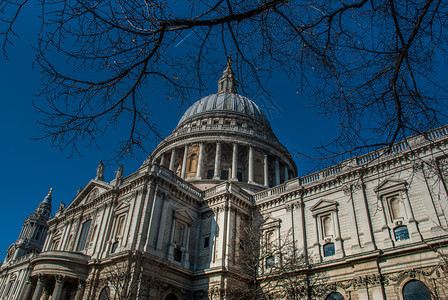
[(210, 174), (83, 236), (239, 175), (177, 254), (270, 261), (114, 247), (329, 250), (206, 242), (224, 174), (401, 233)]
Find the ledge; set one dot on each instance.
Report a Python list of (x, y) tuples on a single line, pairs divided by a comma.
[(71, 264)]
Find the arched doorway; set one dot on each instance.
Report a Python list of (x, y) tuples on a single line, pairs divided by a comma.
[(171, 297)]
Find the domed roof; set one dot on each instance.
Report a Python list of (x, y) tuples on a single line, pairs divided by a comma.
[(227, 103)]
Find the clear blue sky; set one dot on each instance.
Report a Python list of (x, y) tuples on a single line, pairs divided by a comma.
[(29, 168)]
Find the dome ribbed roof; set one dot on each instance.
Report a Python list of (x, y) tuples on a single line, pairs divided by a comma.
[(226, 103)]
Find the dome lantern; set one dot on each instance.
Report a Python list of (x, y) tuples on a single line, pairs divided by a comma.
[(228, 83)]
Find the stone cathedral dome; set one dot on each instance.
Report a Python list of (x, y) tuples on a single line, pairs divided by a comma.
[(226, 136), (226, 103)]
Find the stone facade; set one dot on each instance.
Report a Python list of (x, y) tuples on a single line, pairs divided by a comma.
[(371, 227)]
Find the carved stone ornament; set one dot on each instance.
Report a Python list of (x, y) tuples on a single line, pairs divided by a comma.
[(413, 273)]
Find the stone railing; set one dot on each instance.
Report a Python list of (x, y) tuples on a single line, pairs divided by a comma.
[(164, 172), (216, 190), (227, 187), (222, 127), (380, 154), (320, 175), (187, 187), (239, 191), (261, 195), (414, 141)]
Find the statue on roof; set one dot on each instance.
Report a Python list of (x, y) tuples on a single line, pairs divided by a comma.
[(100, 171), (119, 175)]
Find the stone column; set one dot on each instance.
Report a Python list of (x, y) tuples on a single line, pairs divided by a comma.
[(57, 287), (251, 165), (413, 228), (39, 287), (45, 294), (277, 171), (162, 159), (217, 171), (235, 162), (184, 162), (173, 158), (369, 240), (338, 240), (286, 173), (266, 171), (317, 239), (27, 292), (163, 219), (80, 289), (186, 252), (200, 161)]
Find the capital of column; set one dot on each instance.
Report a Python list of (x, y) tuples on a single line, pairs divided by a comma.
[(59, 279)]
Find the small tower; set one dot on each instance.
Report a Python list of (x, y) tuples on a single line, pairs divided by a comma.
[(34, 231)]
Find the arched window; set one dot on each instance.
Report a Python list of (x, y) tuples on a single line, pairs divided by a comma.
[(334, 296), (416, 290), (105, 294)]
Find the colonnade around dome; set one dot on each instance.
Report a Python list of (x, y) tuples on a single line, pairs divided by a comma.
[(226, 161)]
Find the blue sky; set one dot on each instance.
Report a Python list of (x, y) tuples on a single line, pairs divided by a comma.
[(29, 168)]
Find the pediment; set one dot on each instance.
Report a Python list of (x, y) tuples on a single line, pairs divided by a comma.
[(324, 206), (183, 215), (122, 207), (390, 185), (58, 233), (271, 222), (91, 191)]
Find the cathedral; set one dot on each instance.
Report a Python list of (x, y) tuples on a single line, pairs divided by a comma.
[(217, 211)]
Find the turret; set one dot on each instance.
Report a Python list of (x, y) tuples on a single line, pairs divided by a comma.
[(34, 231)]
